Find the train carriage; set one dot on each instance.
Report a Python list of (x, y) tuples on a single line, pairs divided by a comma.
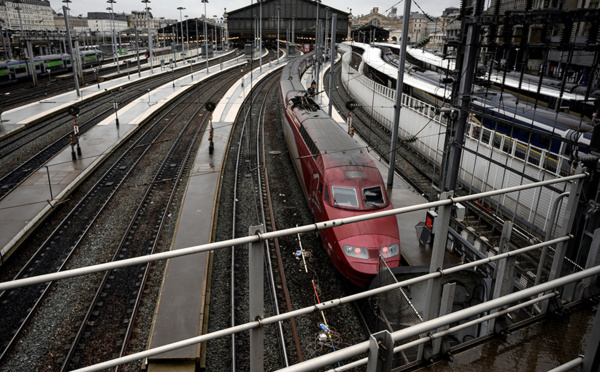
[(339, 179), (50, 64)]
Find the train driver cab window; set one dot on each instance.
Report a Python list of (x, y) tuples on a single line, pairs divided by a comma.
[(373, 196), (344, 196), (327, 193)]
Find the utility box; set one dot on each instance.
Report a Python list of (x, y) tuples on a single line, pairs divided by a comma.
[(248, 51)]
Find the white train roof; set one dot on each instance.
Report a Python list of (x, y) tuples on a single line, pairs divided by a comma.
[(424, 56), (372, 57), (531, 85)]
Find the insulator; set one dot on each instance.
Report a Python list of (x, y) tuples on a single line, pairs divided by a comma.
[(496, 7), (479, 4)]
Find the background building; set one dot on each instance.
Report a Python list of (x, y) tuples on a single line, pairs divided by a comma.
[(36, 15)]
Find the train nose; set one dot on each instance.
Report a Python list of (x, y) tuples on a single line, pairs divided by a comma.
[(362, 255)]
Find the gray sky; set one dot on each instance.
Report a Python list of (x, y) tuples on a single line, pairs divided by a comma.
[(195, 8)]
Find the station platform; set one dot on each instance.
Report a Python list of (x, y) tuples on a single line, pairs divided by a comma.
[(180, 311), (26, 206)]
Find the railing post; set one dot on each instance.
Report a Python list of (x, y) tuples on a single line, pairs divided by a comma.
[(256, 261), (592, 260), (505, 272), (381, 352), (567, 225), (445, 308), (437, 260), (591, 358)]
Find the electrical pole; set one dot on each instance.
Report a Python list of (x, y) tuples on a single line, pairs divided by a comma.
[(456, 130)]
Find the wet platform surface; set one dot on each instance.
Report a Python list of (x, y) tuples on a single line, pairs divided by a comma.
[(535, 348)]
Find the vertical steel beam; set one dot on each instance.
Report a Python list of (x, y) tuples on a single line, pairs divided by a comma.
[(381, 352), (32, 62), (591, 358), (592, 260), (567, 226), (256, 263), (505, 272), (445, 308), (331, 68), (456, 133), (74, 61), (399, 85), (437, 259)]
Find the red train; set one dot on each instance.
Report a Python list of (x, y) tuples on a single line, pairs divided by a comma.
[(339, 179)]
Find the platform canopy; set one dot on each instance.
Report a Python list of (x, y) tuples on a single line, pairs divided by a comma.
[(242, 23)]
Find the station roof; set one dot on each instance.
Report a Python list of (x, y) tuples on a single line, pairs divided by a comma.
[(302, 12)]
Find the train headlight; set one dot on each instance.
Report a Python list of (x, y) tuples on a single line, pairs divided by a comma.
[(389, 250), (356, 252)]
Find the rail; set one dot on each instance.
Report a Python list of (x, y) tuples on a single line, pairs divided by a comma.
[(360, 348)]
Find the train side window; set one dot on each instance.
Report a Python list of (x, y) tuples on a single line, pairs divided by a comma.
[(320, 187), (544, 141), (344, 196), (326, 193)]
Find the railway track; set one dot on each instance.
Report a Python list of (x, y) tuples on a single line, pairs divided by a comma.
[(249, 176), (141, 237), (307, 279), (28, 150), (105, 316)]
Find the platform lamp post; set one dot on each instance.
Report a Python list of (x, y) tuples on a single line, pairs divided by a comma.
[(197, 40), (74, 61), (187, 33), (149, 36), (260, 34), (205, 35), (114, 37), (137, 48), (181, 22), (278, 9)]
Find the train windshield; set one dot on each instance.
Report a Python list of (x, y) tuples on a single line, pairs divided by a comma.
[(373, 196), (344, 196)]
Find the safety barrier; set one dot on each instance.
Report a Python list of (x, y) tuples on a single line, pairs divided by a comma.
[(486, 312)]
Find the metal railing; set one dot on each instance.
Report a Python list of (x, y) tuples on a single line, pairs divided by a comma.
[(435, 272)]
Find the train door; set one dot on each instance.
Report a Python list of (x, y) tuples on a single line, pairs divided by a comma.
[(316, 193)]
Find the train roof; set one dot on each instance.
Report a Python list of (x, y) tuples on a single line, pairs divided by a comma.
[(424, 56), (372, 57), (530, 84), (335, 146)]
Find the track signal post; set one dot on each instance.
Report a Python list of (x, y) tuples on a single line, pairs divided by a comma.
[(74, 137), (210, 106), (351, 105)]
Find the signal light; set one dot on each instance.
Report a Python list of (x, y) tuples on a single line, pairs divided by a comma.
[(430, 220)]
